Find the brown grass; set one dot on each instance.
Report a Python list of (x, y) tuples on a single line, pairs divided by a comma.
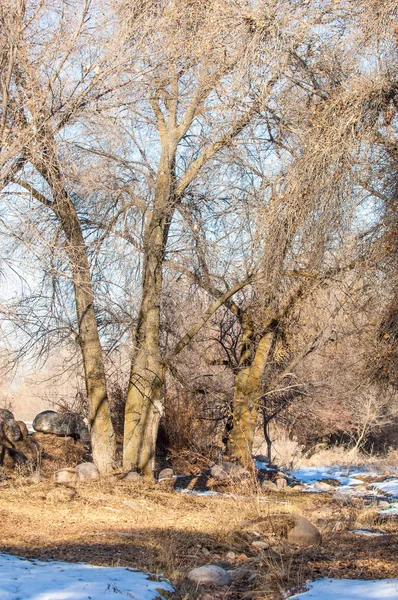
[(147, 526)]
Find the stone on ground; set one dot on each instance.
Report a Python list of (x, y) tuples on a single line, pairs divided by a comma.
[(67, 476), (87, 471), (210, 575), (227, 471), (166, 474), (303, 533)]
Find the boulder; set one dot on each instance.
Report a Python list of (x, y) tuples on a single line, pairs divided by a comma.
[(61, 424), (87, 471), (5, 414), (227, 471), (166, 474), (132, 476), (303, 533), (210, 575), (12, 430), (269, 486), (68, 476), (280, 483), (82, 431), (325, 487), (24, 429), (260, 545), (331, 481)]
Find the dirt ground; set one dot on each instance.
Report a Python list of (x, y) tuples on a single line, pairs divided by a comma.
[(158, 529)]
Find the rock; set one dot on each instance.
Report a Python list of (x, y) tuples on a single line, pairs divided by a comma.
[(240, 574), (24, 429), (82, 431), (132, 476), (269, 486), (325, 487), (61, 424), (260, 545), (68, 476), (12, 430), (230, 555), (280, 483), (333, 482), (342, 498), (166, 474), (205, 551), (210, 575), (5, 414), (227, 471), (303, 533), (87, 471)]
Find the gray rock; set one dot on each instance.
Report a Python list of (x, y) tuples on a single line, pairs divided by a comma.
[(260, 545), (62, 424), (166, 474), (5, 414), (303, 533), (132, 476), (230, 555), (210, 575), (24, 429), (280, 483), (325, 487), (68, 476), (269, 486), (82, 431), (87, 471), (227, 471), (331, 481), (12, 430), (342, 498)]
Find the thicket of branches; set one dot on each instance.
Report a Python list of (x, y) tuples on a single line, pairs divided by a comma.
[(199, 208)]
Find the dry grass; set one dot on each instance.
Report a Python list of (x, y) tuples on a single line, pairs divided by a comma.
[(155, 528)]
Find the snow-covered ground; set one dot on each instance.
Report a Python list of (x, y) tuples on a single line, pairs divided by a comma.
[(22, 579), (350, 589), (349, 480)]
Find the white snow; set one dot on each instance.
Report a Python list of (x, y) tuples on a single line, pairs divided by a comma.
[(391, 510), (22, 579), (311, 475), (351, 589), (389, 487), (367, 532)]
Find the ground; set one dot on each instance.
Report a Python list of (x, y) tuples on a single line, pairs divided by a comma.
[(155, 528)]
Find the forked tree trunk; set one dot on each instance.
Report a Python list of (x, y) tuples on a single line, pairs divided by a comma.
[(247, 392), (144, 407), (101, 428)]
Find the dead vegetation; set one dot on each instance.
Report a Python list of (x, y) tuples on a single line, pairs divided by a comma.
[(147, 526)]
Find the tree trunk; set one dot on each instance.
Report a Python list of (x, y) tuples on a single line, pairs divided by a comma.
[(144, 406), (247, 393), (101, 428)]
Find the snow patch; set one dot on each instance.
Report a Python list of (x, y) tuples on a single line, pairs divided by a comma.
[(36, 580), (351, 589)]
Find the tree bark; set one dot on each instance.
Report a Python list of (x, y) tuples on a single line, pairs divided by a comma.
[(101, 428), (144, 406), (247, 392)]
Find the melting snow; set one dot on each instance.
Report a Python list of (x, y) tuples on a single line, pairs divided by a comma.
[(311, 475), (22, 579), (351, 589), (389, 487), (367, 532)]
